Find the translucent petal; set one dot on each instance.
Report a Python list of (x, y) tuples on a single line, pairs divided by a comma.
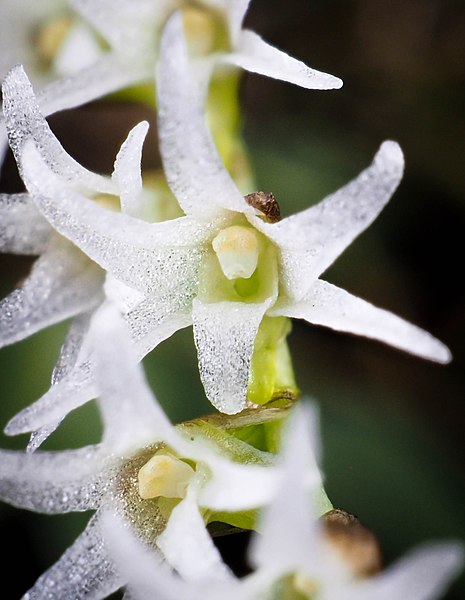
[(127, 171), (424, 574), (72, 346), (255, 55), (132, 416), (150, 322), (37, 438), (108, 74), (330, 306), (192, 165), (224, 334), (310, 241), (235, 487), (187, 545), (23, 230), (62, 283), (67, 360), (54, 482), (146, 575), (84, 572), (72, 391), (25, 121), (287, 533), (156, 258)]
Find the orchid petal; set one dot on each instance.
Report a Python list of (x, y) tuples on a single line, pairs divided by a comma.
[(108, 74), (23, 230), (235, 487), (150, 323), (193, 168), (72, 347), (187, 545), (310, 241), (330, 306), (424, 574), (53, 482), (152, 257), (255, 55), (63, 282), (72, 391), (37, 438), (24, 121), (131, 415), (67, 360), (287, 526), (84, 572), (142, 567), (127, 171), (224, 334)]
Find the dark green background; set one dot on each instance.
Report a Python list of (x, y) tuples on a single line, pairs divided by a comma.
[(392, 425)]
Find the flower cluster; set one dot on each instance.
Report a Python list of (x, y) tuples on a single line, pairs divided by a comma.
[(227, 264)]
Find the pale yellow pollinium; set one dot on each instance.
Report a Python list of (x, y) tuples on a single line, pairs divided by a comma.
[(164, 475), (237, 249)]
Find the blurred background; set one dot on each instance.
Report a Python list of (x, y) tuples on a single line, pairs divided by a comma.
[(392, 425)]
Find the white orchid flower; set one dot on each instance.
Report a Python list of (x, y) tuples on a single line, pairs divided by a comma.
[(132, 29), (141, 458), (64, 283), (222, 267), (291, 556)]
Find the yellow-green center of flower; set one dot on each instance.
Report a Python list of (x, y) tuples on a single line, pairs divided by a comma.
[(237, 249), (164, 475)]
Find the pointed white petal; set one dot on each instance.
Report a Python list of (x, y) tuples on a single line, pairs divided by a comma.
[(23, 230), (255, 55), (37, 438), (330, 306), (424, 574), (287, 527), (127, 171), (72, 391), (224, 334), (192, 165), (84, 572), (54, 482), (108, 74), (67, 360), (187, 545), (151, 323), (141, 567), (132, 417), (63, 282), (72, 347), (156, 258), (310, 241), (235, 487), (24, 121)]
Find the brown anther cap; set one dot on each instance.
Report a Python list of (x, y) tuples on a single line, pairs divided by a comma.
[(355, 544), (266, 203)]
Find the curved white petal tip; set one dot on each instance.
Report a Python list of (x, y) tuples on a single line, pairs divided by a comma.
[(390, 156)]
